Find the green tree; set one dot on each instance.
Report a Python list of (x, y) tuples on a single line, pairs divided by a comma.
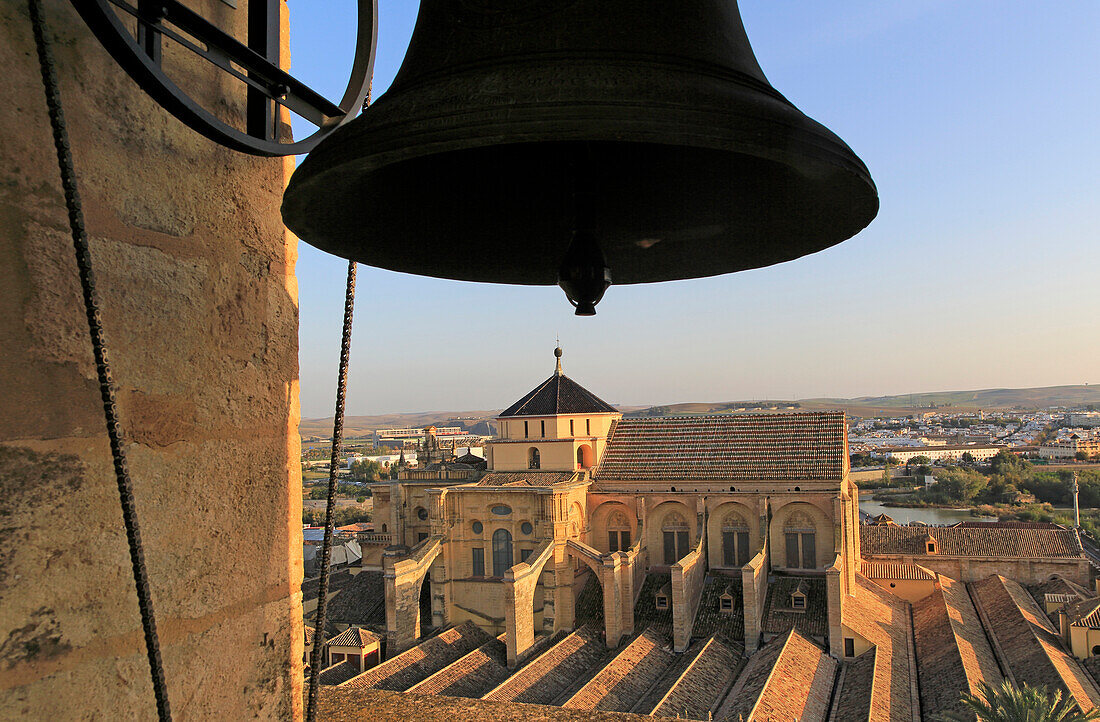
[(1005, 462), (365, 470), (967, 458), (920, 460), (958, 485), (1081, 456), (1009, 703)]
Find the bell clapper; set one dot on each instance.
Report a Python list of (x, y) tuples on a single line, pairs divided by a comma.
[(584, 274)]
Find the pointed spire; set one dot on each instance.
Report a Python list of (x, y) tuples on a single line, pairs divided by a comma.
[(557, 362)]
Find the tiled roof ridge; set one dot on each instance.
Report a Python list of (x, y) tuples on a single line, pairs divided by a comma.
[(563, 386), (354, 638)]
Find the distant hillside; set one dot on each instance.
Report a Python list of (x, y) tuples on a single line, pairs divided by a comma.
[(478, 422), (986, 399)]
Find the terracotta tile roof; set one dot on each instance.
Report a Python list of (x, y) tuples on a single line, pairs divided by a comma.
[(548, 675), (646, 613), (361, 601), (310, 631), (751, 447), (417, 664), (710, 618), (854, 689), (896, 570), (779, 616), (557, 395), (526, 478), (883, 620), (953, 654), (990, 541), (1084, 613), (471, 675), (338, 673), (701, 685), (1029, 643), (354, 637), (1005, 525), (790, 678), (621, 682)]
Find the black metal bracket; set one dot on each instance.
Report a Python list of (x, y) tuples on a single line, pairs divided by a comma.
[(256, 64)]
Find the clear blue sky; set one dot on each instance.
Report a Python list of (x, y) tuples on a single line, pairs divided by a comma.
[(980, 123)]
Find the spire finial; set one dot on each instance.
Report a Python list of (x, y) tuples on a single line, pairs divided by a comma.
[(557, 361)]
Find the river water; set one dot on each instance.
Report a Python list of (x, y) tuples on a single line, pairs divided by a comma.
[(904, 515)]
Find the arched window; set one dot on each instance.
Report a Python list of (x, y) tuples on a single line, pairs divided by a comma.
[(735, 540), (533, 458), (618, 532), (502, 552), (675, 531), (800, 538)]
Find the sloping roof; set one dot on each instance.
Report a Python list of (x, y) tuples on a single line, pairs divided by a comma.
[(883, 620), (728, 447), (779, 616), (557, 395), (790, 678), (854, 690), (896, 570), (338, 673), (1084, 613), (953, 654), (1031, 647), (361, 601), (990, 541), (526, 478), (354, 637)]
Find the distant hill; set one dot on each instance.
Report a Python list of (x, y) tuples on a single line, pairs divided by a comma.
[(478, 422)]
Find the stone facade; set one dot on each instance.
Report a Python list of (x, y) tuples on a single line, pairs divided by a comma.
[(196, 280), (508, 550)]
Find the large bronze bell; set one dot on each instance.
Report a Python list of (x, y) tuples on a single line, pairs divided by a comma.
[(518, 130)]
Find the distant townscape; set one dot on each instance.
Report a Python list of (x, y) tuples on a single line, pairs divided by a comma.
[(713, 562)]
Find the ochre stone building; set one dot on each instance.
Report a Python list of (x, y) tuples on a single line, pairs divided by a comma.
[(702, 567)]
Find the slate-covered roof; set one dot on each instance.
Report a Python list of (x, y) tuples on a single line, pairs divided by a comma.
[(526, 478), (354, 637), (558, 395), (728, 447), (989, 541)]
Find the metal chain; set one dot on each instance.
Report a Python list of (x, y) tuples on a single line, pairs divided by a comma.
[(326, 545), (99, 349)]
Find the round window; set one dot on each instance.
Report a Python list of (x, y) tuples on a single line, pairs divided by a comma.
[(526, 527), (478, 528), (421, 513), (501, 510)]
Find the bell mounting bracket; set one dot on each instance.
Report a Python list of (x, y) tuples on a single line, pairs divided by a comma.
[(255, 63)]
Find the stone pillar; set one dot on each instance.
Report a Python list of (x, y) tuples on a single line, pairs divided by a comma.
[(519, 598), (564, 601), (403, 578), (611, 581), (835, 601), (626, 581), (195, 276)]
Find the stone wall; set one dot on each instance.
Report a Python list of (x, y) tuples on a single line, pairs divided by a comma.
[(974, 569), (754, 588), (687, 586), (195, 275)]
